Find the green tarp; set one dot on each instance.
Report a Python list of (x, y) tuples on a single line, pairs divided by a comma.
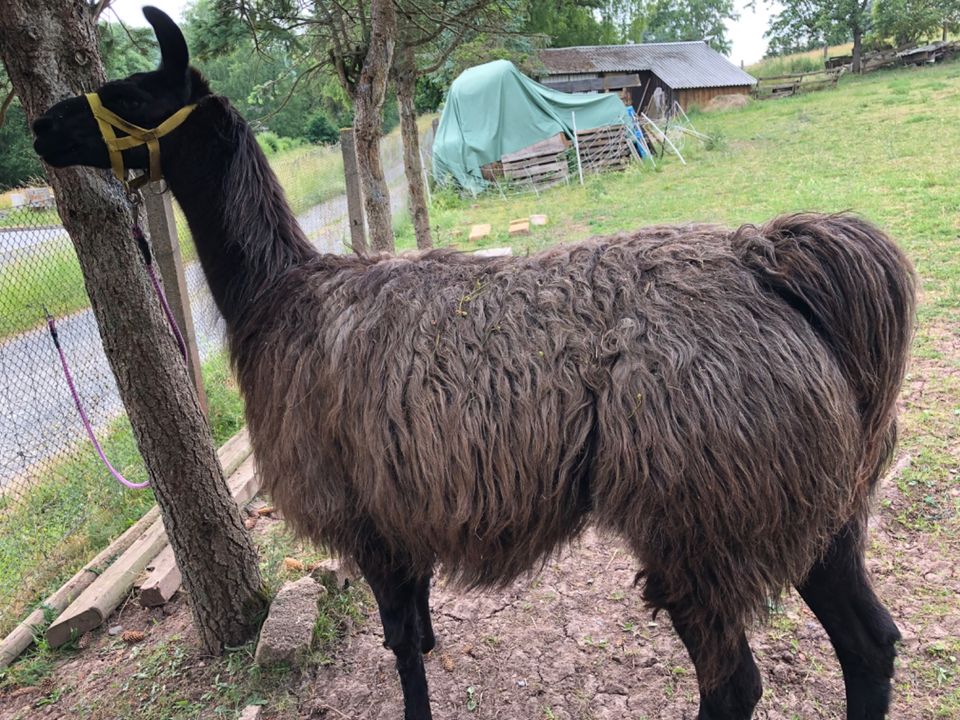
[(494, 109)]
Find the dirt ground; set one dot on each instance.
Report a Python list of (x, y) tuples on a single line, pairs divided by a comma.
[(573, 643)]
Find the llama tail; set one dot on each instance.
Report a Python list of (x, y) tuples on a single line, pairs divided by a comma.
[(857, 290)]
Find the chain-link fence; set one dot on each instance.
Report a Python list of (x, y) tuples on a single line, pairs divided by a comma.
[(57, 503)]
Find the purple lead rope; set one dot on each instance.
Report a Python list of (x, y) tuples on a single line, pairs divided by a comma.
[(83, 416), (52, 326)]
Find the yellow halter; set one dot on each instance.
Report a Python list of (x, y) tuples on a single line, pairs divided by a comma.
[(136, 136)]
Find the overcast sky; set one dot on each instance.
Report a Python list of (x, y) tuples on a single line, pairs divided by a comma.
[(746, 33)]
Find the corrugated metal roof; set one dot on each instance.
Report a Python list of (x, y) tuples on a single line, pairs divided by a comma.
[(679, 64)]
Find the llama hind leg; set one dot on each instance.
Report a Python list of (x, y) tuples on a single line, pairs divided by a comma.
[(861, 630), (398, 601), (738, 690)]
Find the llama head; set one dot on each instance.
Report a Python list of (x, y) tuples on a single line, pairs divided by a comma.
[(69, 134)]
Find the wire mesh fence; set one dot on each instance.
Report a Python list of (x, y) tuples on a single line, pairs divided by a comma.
[(57, 504)]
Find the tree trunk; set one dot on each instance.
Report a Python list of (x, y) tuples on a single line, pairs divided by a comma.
[(944, 36), (368, 95), (405, 78), (49, 48), (857, 38)]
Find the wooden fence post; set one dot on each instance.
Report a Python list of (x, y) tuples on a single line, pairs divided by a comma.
[(358, 234), (162, 227)]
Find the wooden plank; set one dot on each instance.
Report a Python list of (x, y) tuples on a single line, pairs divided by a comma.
[(618, 82), (165, 578), (553, 144), (598, 133), (163, 581), (234, 451), (231, 454), (22, 636), (479, 231), (536, 170), (534, 162), (107, 591), (575, 86)]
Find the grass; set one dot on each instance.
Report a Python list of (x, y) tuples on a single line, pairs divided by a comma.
[(74, 508), (28, 217), (796, 63), (53, 279)]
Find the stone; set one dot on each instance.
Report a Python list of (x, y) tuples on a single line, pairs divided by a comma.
[(334, 572), (115, 630), (494, 252), (538, 219), (479, 231), (251, 712), (287, 634)]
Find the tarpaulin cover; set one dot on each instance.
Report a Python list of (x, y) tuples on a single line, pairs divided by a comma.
[(494, 109)]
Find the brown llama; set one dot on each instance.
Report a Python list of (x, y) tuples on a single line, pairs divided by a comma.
[(722, 400)]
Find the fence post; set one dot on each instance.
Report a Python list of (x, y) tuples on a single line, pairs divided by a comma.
[(358, 235), (166, 249)]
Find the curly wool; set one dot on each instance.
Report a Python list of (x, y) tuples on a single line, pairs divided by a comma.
[(722, 400)]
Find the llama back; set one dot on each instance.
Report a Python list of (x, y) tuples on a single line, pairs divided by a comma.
[(856, 288)]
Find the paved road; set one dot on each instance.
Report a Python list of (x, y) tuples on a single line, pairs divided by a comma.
[(38, 421)]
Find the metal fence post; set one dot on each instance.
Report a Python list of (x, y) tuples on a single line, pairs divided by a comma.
[(166, 248), (358, 235)]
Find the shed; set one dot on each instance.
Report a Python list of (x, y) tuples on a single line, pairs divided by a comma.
[(690, 73)]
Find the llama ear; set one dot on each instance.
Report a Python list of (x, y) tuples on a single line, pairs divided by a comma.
[(174, 56)]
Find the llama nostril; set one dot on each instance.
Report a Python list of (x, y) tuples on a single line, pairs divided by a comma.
[(42, 125)]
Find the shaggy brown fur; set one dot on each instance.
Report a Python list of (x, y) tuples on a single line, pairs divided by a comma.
[(723, 400)]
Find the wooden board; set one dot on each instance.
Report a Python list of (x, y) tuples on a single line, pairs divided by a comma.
[(618, 82), (535, 170), (107, 591), (520, 227), (576, 86), (165, 578), (479, 231), (230, 454), (551, 146)]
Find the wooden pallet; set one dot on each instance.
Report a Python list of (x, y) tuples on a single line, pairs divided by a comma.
[(540, 165), (604, 148)]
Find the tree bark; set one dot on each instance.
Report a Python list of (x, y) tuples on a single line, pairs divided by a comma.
[(857, 41), (368, 95), (49, 48), (405, 79)]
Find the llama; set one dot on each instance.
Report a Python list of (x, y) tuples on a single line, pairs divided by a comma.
[(722, 400)]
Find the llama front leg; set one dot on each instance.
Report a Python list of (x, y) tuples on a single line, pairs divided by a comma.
[(863, 634), (736, 695), (398, 601), (428, 640)]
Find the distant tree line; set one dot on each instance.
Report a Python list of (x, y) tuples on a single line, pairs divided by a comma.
[(292, 95), (801, 25)]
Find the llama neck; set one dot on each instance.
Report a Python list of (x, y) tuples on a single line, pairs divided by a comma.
[(245, 233)]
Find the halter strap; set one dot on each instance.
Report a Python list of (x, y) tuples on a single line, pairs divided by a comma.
[(136, 136)]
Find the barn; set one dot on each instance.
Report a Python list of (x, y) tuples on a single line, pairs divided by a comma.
[(690, 73)]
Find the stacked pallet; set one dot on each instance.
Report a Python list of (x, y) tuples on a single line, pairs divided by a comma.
[(604, 148), (538, 166)]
